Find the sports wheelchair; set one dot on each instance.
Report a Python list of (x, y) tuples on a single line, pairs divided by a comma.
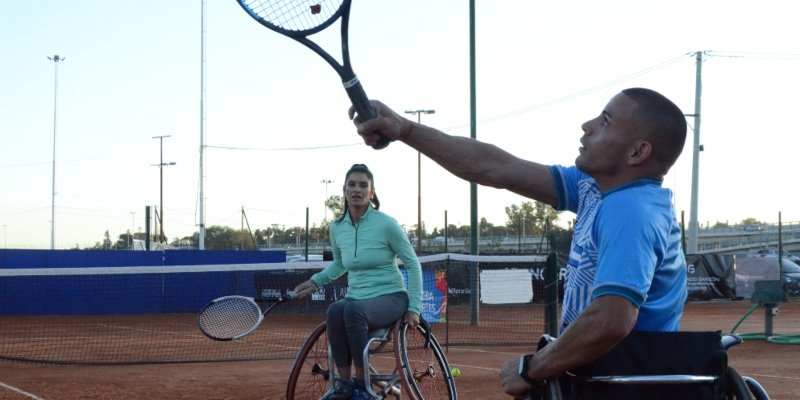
[(402, 363), (658, 366)]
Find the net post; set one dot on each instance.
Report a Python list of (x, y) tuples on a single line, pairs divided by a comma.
[(474, 295), (551, 295), (447, 297), (306, 236), (147, 228)]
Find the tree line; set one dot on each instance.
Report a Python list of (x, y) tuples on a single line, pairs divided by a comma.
[(529, 218)]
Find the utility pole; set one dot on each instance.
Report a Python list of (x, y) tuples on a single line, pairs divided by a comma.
[(55, 59), (161, 166), (419, 180), (696, 149)]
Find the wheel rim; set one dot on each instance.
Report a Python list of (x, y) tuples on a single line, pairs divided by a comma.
[(310, 376), (425, 367)]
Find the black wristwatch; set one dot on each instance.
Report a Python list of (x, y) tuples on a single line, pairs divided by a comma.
[(523, 369)]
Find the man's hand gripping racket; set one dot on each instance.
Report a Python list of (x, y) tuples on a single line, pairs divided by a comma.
[(233, 317), (299, 19)]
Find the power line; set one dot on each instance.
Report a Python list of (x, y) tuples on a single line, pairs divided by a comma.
[(577, 94), (77, 160), (333, 146), (753, 55)]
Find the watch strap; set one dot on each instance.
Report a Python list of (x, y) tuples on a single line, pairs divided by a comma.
[(523, 370)]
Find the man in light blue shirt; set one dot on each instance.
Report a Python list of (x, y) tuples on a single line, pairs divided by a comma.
[(626, 243), (627, 269)]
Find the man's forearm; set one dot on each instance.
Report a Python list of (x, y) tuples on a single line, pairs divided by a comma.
[(597, 330), (483, 163), (462, 156)]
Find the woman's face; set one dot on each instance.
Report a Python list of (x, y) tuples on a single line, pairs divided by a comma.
[(358, 189)]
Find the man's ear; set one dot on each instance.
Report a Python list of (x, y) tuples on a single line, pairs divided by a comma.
[(641, 151)]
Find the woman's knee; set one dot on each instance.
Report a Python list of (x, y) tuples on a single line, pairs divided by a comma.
[(355, 311), (336, 307)]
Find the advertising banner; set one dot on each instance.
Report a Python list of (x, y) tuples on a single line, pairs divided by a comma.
[(710, 276)]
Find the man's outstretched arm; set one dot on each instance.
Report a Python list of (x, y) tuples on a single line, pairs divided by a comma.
[(466, 158)]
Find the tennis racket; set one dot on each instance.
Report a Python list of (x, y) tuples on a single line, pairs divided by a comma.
[(299, 19), (233, 317)]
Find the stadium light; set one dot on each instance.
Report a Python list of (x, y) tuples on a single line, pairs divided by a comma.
[(325, 204), (55, 59), (419, 180), (161, 166)]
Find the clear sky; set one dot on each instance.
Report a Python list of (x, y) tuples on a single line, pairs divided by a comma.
[(276, 123)]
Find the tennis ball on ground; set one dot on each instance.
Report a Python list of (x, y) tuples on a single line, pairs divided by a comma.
[(456, 372)]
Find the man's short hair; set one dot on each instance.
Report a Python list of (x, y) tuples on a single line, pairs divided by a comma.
[(663, 123)]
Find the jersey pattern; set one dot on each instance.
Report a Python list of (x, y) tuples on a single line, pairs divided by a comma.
[(577, 192), (582, 264)]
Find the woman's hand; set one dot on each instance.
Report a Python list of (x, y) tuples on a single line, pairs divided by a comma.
[(413, 319), (305, 289)]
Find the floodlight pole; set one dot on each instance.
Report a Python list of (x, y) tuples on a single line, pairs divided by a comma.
[(326, 182), (201, 235), (419, 180), (56, 58), (161, 166), (473, 187)]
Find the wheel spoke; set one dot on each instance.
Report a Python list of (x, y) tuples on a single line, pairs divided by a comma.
[(425, 367), (310, 374)]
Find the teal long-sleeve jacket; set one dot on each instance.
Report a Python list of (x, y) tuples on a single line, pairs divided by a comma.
[(368, 252)]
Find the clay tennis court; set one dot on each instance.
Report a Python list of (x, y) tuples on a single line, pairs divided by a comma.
[(776, 366)]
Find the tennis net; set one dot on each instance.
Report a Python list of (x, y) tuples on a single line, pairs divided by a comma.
[(147, 314)]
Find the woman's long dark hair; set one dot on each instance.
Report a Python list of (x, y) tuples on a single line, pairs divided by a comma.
[(364, 170)]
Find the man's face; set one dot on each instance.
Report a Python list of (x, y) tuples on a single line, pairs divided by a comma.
[(607, 138)]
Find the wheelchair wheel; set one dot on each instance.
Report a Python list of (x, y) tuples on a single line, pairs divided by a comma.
[(424, 369), (736, 387), (312, 370), (755, 388)]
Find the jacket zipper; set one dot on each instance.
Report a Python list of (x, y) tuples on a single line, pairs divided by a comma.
[(355, 248)]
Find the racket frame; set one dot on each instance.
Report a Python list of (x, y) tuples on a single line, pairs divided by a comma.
[(355, 91), (262, 313)]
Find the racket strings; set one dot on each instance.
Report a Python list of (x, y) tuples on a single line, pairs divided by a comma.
[(229, 318), (298, 15)]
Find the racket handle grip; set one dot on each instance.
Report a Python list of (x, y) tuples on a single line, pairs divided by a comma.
[(363, 107)]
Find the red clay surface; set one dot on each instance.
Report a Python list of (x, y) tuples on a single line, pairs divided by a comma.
[(776, 366)]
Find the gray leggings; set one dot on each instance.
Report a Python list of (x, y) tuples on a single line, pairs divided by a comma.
[(350, 320)]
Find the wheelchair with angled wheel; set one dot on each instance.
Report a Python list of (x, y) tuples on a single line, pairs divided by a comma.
[(402, 363), (657, 366)]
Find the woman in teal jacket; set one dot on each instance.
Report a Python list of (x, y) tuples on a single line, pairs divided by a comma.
[(366, 244)]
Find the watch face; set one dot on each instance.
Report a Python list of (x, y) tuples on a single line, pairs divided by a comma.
[(523, 364), (523, 369)]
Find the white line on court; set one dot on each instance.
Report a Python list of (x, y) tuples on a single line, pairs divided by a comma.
[(460, 365), (20, 391), (775, 376), (486, 351)]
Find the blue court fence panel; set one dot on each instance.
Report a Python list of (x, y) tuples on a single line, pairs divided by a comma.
[(88, 293)]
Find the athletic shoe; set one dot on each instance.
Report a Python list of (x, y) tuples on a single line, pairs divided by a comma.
[(343, 390), (360, 394)]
